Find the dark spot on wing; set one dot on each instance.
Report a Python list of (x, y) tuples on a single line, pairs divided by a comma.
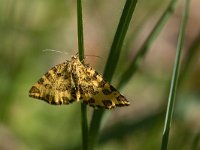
[(102, 83), (106, 92), (73, 93), (95, 75), (41, 81), (54, 69), (107, 103), (91, 101), (65, 100), (34, 90), (112, 88), (47, 86), (49, 77)]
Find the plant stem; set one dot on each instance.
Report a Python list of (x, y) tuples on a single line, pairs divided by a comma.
[(112, 63), (175, 78), (133, 67), (80, 30), (81, 57)]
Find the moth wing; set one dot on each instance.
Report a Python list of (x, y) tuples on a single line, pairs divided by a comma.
[(55, 86), (98, 93)]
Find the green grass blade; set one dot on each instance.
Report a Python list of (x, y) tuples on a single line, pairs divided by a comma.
[(175, 77), (126, 76), (119, 39), (112, 63), (116, 131), (80, 30), (84, 122), (85, 141)]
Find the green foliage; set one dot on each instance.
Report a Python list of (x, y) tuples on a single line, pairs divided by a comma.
[(81, 57), (140, 62), (175, 78)]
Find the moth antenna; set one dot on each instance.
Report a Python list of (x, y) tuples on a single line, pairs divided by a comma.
[(87, 56), (93, 56), (52, 50)]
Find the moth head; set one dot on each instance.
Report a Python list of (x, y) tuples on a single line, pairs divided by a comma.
[(74, 58)]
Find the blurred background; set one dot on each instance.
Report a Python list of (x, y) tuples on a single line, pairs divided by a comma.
[(29, 27)]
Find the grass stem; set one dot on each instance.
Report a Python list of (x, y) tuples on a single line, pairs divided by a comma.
[(84, 122), (112, 63), (175, 78)]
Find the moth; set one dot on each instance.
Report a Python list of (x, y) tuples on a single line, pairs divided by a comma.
[(73, 81)]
